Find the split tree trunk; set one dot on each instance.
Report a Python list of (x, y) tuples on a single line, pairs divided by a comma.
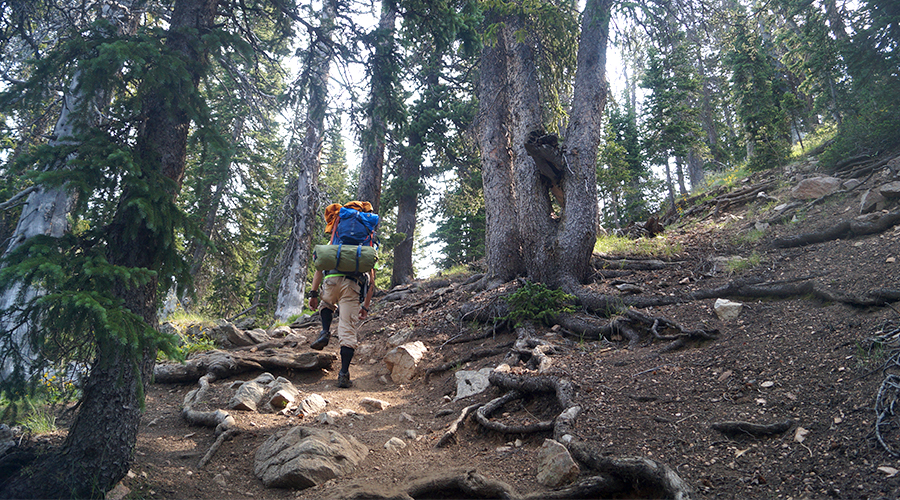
[(502, 241)]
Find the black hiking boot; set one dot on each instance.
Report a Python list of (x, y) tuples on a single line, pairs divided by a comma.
[(322, 341), (343, 380), (327, 315)]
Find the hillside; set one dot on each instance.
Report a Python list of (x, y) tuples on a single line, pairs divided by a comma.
[(801, 351)]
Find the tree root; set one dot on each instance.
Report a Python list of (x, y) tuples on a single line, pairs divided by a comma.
[(636, 327), (450, 434), (751, 429), (858, 226), (780, 289), (224, 364), (471, 356), (645, 478), (224, 423)]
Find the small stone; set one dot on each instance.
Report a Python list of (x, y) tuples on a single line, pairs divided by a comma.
[(411, 434), (890, 260), (405, 417), (220, 480), (727, 310), (373, 404), (767, 384), (503, 449), (395, 444)]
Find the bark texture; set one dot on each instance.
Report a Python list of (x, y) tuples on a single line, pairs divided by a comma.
[(502, 242), (299, 245)]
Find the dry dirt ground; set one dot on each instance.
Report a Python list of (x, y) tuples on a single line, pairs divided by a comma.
[(793, 358)]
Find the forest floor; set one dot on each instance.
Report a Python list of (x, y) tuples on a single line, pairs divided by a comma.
[(796, 358)]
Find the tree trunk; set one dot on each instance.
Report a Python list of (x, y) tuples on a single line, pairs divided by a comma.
[(371, 168), (98, 449), (695, 169), (679, 172), (502, 243), (293, 281), (578, 226), (403, 271), (533, 203), (47, 207)]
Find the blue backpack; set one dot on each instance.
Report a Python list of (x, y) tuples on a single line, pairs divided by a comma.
[(355, 228)]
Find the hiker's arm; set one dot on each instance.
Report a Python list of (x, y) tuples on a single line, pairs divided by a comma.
[(317, 280), (364, 310)]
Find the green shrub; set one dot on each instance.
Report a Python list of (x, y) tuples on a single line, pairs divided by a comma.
[(536, 302)]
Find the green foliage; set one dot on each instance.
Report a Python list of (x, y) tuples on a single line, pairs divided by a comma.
[(536, 302), (740, 264), (760, 97), (660, 246), (39, 420)]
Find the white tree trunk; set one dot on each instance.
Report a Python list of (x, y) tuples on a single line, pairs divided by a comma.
[(46, 207), (293, 282)]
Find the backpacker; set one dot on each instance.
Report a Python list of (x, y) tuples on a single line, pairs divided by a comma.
[(355, 228), (353, 242)]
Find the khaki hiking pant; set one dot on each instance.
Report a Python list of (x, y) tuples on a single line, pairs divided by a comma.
[(342, 293)]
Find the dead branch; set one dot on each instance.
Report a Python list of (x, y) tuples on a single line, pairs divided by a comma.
[(454, 426), (15, 200), (750, 429)]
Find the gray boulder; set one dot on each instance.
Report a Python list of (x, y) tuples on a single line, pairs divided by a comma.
[(301, 457), (815, 187), (249, 394)]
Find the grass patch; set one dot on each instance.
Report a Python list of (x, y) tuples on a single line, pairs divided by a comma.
[(660, 246), (750, 237), (740, 264), (38, 420), (729, 178)]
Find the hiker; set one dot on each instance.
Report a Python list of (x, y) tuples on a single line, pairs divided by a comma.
[(348, 291)]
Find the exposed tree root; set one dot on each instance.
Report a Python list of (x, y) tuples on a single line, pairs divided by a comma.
[(630, 264), (450, 433), (468, 484), (636, 327), (224, 423), (750, 429), (750, 288), (224, 364), (858, 226), (471, 356), (645, 478)]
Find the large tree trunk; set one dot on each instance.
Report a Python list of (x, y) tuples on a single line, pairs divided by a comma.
[(47, 207), (578, 226), (99, 447), (403, 271), (371, 168), (293, 282), (502, 242), (533, 205)]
